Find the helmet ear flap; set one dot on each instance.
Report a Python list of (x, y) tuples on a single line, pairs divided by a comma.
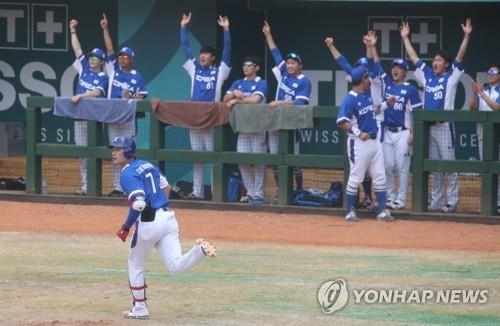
[(128, 153)]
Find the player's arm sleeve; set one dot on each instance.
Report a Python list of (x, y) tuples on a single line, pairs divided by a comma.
[(342, 115), (163, 181), (186, 47), (78, 64), (262, 89), (278, 58), (303, 93), (141, 88), (458, 65), (420, 72), (416, 102), (132, 217), (378, 69), (226, 52), (342, 61), (103, 84)]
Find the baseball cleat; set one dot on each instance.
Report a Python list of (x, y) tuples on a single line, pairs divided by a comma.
[(386, 216), (128, 314), (449, 208), (208, 249), (352, 217)]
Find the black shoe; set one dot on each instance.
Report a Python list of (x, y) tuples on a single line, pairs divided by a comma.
[(116, 193)]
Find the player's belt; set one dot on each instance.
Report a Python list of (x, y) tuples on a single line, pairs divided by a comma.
[(373, 136), (395, 129)]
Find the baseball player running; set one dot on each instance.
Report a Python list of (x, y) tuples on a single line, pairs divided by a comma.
[(155, 224), (397, 126), (440, 87), (125, 82), (357, 118), (251, 89), (92, 82), (206, 85), (293, 88)]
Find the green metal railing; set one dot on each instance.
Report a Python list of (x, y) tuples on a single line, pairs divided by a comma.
[(223, 156)]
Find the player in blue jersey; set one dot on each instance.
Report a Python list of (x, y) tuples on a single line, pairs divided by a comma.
[(487, 98), (376, 94), (155, 224), (294, 88), (401, 98), (124, 82), (356, 117), (440, 83), (92, 82), (251, 89), (206, 86)]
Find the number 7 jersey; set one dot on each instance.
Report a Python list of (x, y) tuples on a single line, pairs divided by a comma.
[(142, 177)]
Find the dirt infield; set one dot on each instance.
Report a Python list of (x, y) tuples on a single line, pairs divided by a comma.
[(264, 227)]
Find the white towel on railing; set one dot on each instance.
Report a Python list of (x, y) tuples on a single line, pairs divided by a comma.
[(96, 109)]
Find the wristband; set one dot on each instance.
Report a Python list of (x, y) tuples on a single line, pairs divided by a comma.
[(354, 131)]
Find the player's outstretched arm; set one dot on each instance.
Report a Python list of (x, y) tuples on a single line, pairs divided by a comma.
[(370, 41), (75, 43), (108, 43), (266, 29), (331, 46), (467, 28), (223, 22), (405, 36), (186, 46)]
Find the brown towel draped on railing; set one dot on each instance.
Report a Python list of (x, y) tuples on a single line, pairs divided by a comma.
[(191, 114)]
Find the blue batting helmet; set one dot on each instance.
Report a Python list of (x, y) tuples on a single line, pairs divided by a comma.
[(127, 143)]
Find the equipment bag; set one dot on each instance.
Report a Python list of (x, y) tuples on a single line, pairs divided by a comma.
[(235, 187), (314, 197)]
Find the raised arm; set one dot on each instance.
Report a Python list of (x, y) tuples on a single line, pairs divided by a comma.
[(278, 58), (405, 36), (75, 43), (333, 50), (108, 43), (269, 37), (467, 28), (226, 52), (186, 46), (370, 41)]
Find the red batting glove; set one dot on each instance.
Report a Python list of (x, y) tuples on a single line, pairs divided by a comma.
[(122, 233)]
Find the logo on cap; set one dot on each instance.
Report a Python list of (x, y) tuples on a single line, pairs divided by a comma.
[(127, 51), (294, 56), (98, 53)]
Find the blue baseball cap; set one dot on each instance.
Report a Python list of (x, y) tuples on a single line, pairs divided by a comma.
[(127, 51), (363, 61), (358, 73), (294, 56), (401, 63), (97, 53)]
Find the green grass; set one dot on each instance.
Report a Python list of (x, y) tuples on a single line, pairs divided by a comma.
[(67, 280)]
